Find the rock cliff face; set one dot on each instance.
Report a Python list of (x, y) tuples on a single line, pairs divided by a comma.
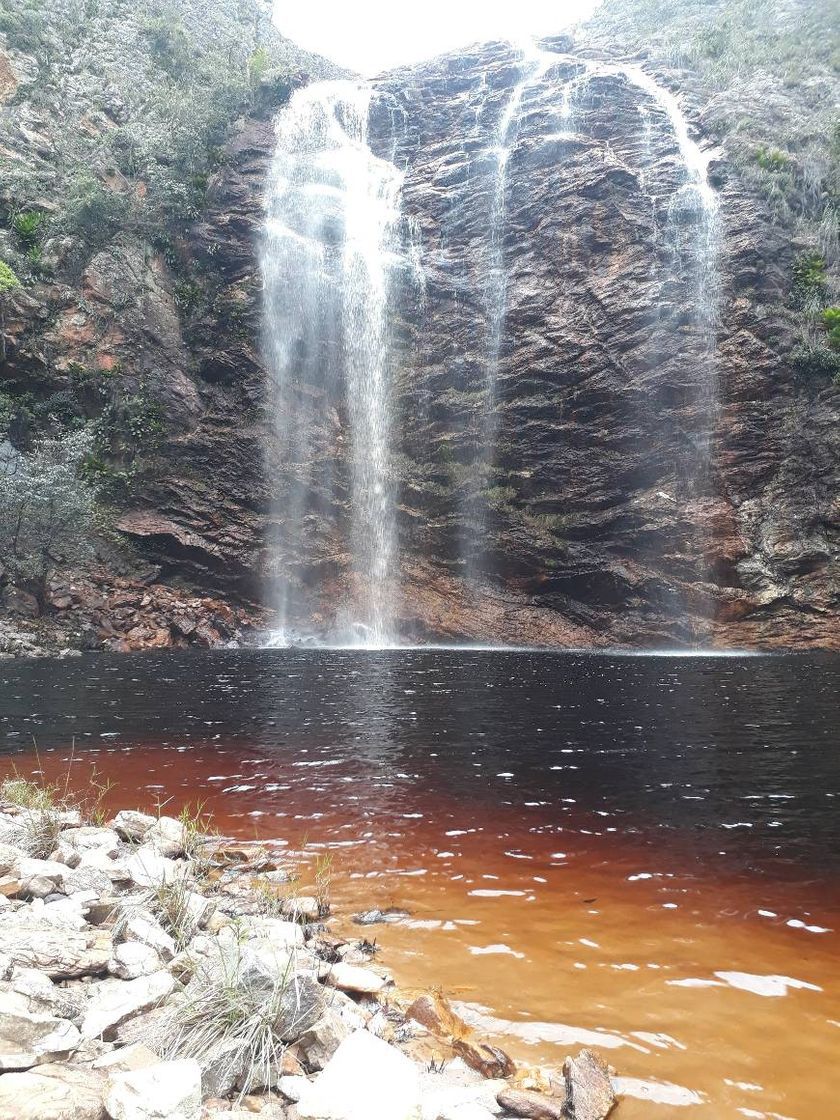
[(605, 506), (640, 492)]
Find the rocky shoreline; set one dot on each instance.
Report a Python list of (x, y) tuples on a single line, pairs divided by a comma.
[(96, 610), (152, 971)]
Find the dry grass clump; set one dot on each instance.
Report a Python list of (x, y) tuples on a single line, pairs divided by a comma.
[(232, 1020)]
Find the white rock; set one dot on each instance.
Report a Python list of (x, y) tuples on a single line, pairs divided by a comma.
[(146, 929), (351, 978), (132, 959), (43, 997), (274, 930), (131, 825), (127, 1058), (87, 878), (459, 1102), (27, 1039), (64, 913), (148, 868), (293, 1088), (166, 1091), (114, 1001), (167, 836), (65, 854), (304, 908), (61, 953), (10, 859), (40, 877), (466, 1111), (52, 1092), (92, 839), (366, 1079)]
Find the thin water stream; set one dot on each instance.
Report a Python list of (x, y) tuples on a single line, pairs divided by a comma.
[(639, 853)]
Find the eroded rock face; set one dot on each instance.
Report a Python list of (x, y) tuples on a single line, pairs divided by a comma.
[(603, 515)]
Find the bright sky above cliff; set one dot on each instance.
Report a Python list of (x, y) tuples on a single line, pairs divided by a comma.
[(370, 36)]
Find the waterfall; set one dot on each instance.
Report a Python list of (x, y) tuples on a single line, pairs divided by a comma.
[(495, 303), (328, 250)]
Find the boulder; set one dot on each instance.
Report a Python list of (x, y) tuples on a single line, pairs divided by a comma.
[(460, 1100), (489, 1061), (89, 838), (127, 1058), (63, 913), (167, 836), (275, 930), (62, 954), (145, 929), (351, 978), (28, 1039), (366, 1079), (53, 1092), (131, 825), (227, 1065), (432, 1011), (148, 868), (86, 878), (40, 877), (532, 1106), (114, 1001), (165, 1091), (43, 997), (132, 959), (588, 1087), (318, 1044), (302, 909)]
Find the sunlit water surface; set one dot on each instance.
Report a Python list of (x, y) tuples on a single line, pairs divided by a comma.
[(640, 853)]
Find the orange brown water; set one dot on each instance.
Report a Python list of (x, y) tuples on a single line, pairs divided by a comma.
[(641, 857), (603, 944)]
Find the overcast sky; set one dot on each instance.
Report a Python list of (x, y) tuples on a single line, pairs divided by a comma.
[(370, 36)]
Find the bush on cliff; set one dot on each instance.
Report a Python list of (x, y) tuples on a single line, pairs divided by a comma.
[(46, 509)]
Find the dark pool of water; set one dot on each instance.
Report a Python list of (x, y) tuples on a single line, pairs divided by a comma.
[(734, 756)]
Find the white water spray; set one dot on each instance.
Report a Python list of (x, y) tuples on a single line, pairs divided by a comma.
[(332, 220)]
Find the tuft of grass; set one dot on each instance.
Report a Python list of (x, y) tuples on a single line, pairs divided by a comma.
[(323, 881), (26, 794), (226, 1018)]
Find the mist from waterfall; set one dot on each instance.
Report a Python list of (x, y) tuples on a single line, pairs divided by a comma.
[(332, 218)]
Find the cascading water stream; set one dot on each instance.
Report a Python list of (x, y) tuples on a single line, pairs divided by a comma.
[(495, 301), (332, 221)]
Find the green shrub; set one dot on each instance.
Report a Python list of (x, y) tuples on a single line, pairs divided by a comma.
[(771, 159), (169, 44), (816, 361), (94, 212), (810, 280), (188, 295), (8, 279), (28, 225), (25, 27), (831, 322)]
